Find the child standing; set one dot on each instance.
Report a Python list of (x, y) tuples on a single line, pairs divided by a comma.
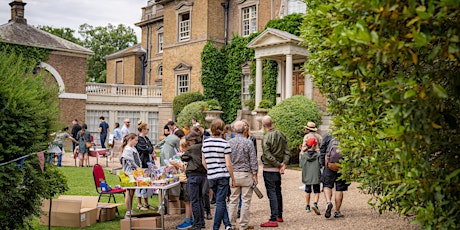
[(184, 195), (311, 174)]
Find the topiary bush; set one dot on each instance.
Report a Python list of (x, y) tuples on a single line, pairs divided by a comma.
[(290, 116), (184, 99), (195, 109)]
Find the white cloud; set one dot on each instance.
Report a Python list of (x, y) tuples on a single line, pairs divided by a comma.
[(73, 13)]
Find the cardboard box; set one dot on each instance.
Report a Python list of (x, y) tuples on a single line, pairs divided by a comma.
[(106, 212), (144, 223), (70, 211), (176, 207)]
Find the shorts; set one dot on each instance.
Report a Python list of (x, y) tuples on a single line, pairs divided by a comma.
[(144, 193), (329, 178), (184, 195), (316, 188)]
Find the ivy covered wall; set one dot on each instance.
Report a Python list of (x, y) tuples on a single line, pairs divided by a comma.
[(222, 69)]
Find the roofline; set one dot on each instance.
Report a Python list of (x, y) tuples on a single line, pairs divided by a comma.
[(50, 48)]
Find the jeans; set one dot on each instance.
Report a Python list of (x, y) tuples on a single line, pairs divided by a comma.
[(273, 186), (103, 137), (220, 188), (195, 185), (206, 204)]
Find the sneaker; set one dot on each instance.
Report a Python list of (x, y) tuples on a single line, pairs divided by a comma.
[(228, 228), (307, 208), (269, 224), (316, 209), (142, 207), (208, 216), (279, 219), (185, 225), (328, 210), (338, 215), (128, 214)]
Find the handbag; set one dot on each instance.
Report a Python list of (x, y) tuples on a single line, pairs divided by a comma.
[(88, 144)]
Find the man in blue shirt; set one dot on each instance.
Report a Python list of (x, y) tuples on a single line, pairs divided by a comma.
[(103, 130)]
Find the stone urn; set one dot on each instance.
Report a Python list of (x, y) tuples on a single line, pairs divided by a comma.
[(260, 113), (211, 115)]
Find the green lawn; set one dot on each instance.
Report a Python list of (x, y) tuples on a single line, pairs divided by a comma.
[(80, 181)]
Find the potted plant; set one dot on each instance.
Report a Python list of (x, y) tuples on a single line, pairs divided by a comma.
[(248, 104), (212, 111)]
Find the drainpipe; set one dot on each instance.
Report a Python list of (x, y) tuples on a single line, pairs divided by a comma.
[(226, 6), (144, 57)]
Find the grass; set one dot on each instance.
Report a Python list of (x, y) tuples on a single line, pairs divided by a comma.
[(80, 181)]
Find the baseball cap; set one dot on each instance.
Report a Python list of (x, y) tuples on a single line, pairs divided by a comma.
[(311, 141)]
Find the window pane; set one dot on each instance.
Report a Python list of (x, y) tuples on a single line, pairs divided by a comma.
[(153, 126), (133, 117), (92, 121), (182, 83)]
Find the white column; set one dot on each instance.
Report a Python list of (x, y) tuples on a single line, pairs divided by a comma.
[(258, 82), (279, 82), (288, 76)]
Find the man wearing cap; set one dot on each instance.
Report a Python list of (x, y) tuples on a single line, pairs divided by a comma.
[(310, 131)]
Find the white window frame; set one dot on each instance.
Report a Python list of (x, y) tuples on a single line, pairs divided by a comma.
[(182, 85), (92, 121), (248, 20), (160, 42), (246, 81), (184, 26), (152, 121)]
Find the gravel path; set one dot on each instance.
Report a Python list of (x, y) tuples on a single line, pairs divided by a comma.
[(358, 214)]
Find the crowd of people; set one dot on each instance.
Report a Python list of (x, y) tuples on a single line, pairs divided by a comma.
[(221, 166)]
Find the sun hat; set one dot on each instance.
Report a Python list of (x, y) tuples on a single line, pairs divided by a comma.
[(311, 126), (311, 141)]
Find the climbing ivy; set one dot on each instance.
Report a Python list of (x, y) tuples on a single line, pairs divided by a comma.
[(290, 23), (221, 69), (212, 72), (31, 56), (270, 77)]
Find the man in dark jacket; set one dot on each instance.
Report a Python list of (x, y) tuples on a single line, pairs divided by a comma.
[(275, 156), (75, 129)]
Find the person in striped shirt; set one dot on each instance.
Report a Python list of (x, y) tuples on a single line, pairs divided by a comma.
[(216, 158)]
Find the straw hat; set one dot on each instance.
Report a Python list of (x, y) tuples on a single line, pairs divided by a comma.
[(311, 126)]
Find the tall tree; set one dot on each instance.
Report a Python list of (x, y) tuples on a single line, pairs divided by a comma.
[(390, 70), (28, 114), (65, 32), (104, 40)]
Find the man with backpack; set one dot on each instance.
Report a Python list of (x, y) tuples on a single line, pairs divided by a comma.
[(330, 178)]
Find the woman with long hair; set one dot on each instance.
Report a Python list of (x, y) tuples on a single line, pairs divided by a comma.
[(247, 135), (82, 137), (130, 161), (145, 149)]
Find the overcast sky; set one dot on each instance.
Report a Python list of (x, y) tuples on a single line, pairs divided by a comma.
[(73, 13)]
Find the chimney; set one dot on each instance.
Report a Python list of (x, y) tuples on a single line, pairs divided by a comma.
[(17, 12)]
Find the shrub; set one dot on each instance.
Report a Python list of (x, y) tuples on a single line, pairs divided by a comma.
[(184, 99), (390, 70), (195, 109), (28, 113), (290, 116)]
